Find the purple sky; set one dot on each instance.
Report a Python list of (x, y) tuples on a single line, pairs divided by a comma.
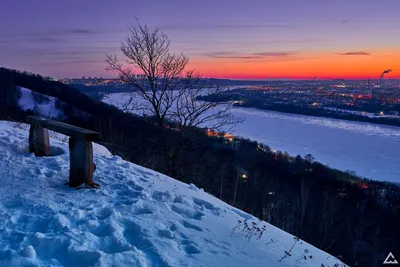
[(71, 38)]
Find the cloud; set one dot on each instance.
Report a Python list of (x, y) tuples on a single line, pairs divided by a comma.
[(223, 26), (59, 45), (270, 60), (65, 53), (230, 55), (262, 55), (58, 35), (277, 54), (204, 46), (30, 38), (70, 62), (80, 32), (358, 53), (244, 42)]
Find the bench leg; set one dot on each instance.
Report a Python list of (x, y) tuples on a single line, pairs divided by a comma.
[(81, 163), (39, 142)]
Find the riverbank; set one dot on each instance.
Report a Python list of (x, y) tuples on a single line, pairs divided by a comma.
[(320, 112)]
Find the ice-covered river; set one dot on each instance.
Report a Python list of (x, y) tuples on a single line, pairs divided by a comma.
[(370, 150)]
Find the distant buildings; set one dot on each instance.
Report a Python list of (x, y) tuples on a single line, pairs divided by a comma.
[(89, 81), (140, 76)]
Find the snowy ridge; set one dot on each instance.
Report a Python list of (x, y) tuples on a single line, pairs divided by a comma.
[(46, 108), (138, 218)]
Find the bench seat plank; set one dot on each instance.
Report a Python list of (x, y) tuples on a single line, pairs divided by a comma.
[(67, 129)]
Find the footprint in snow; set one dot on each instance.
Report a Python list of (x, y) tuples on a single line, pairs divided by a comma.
[(162, 196), (173, 227), (191, 226), (49, 173), (188, 246), (104, 213), (87, 207), (143, 179), (127, 191), (125, 165), (134, 186), (134, 235), (187, 213), (145, 173), (103, 229), (142, 211), (127, 201), (202, 204), (166, 234), (192, 249)]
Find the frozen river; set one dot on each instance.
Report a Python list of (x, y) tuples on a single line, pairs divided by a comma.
[(370, 150)]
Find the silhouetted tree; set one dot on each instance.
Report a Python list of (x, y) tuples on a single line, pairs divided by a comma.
[(165, 90)]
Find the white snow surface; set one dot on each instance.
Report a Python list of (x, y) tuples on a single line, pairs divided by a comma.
[(138, 218)]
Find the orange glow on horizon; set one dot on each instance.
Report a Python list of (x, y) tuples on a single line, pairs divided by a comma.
[(306, 66)]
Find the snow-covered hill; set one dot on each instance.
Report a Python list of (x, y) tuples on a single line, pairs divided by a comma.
[(138, 218), (47, 106)]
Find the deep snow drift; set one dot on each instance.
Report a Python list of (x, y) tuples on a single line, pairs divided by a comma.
[(137, 218)]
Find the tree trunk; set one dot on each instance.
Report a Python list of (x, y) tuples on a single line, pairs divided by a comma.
[(39, 142), (81, 163), (236, 186), (172, 159), (222, 180)]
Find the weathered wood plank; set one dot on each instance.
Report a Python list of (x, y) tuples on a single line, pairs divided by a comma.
[(81, 163), (64, 128), (39, 141)]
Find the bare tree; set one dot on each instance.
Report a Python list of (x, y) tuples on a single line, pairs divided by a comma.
[(162, 87), (302, 202), (357, 230), (309, 160), (329, 233), (113, 136), (222, 177)]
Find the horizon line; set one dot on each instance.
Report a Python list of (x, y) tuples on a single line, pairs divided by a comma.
[(253, 79)]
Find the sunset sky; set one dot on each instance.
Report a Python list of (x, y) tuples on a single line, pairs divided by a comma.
[(253, 39)]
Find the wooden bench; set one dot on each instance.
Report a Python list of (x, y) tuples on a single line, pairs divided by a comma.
[(80, 147)]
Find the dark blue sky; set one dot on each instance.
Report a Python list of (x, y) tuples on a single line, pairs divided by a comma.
[(223, 38)]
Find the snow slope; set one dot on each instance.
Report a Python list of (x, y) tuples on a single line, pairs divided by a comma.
[(47, 108), (138, 218)]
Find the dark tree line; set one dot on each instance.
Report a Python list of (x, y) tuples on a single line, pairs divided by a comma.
[(9, 95), (349, 217)]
